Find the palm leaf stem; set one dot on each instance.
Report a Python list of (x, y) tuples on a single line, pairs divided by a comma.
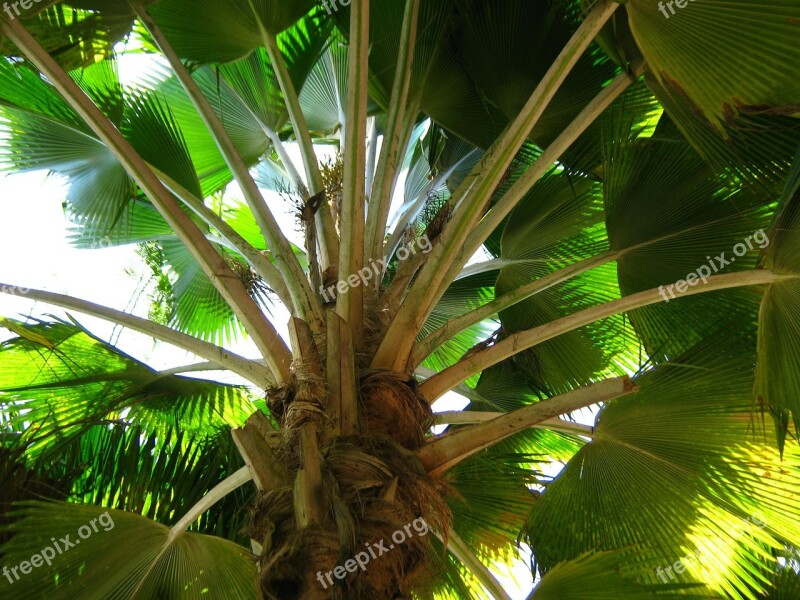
[(469, 417), (262, 265), (474, 193), (217, 493), (326, 230), (253, 371), (454, 326), (267, 340), (388, 163), (462, 552), (449, 450), (304, 299), (476, 362)]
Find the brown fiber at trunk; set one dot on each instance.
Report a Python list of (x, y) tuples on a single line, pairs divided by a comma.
[(372, 486)]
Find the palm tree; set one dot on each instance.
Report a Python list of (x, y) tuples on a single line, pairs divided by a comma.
[(544, 206)]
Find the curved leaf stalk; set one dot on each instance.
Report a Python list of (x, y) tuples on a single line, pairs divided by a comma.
[(454, 326), (494, 218), (440, 383), (217, 493), (474, 193), (446, 452), (192, 368), (350, 305), (262, 265), (304, 300), (253, 371), (326, 230), (481, 572), (395, 138), (267, 340), (469, 417), (284, 157)]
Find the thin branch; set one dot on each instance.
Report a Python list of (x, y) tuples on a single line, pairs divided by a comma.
[(449, 450), (222, 489), (284, 157), (250, 370), (326, 231), (481, 572), (193, 368), (350, 305), (473, 195), (262, 265), (411, 213), (469, 417), (440, 383), (454, 326), (372, 153), (394, 138), (503, 207), (304, 300), (214, 266)]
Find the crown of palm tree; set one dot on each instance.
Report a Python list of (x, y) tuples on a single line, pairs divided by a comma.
[(543, 206)]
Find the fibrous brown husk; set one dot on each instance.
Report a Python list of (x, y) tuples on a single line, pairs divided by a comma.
[(392, 406), (371, 483), (374, 488)]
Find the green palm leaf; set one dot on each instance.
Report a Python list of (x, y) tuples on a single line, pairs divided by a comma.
[(779, 319), (75, 38), (225, 31), (682, 46), (124, 556), (672, 216), (670, 462), (159, 474), (602, 576), (65, 380)]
